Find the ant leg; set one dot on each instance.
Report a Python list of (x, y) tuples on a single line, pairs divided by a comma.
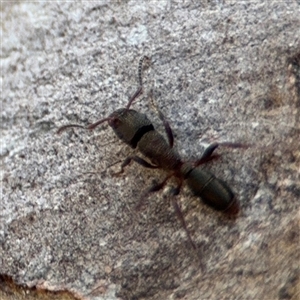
[(235, 145), (150, 190), (207, 155), (179, 214), (183, 223), (167, 126), (138, 160)]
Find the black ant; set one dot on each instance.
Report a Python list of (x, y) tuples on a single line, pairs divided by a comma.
[(137, 131)]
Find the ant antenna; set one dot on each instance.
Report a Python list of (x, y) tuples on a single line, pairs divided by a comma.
[(138, 92), (140, 79), (63, 128), (89, 127), (140, 69)]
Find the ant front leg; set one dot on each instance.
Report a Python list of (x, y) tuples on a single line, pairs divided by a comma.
[(167, 126), (138, 160)]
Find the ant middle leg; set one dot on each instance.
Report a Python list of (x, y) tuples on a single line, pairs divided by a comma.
[(151, 189), (138, 160)]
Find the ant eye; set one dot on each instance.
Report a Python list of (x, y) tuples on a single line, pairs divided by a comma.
[(114, 122)]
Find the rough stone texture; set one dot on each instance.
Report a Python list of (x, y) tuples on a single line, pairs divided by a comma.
[(9, 290), (221, 71)]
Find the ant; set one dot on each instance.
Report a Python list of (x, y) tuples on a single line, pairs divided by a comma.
[(137, 131)]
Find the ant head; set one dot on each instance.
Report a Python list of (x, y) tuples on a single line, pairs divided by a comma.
[(124, 121), (127, 123)]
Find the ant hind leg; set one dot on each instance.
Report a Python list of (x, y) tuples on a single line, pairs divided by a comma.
[(179, 213), (208, 152), (207, 155)]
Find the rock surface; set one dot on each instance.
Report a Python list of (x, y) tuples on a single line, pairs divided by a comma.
[(221, 71)]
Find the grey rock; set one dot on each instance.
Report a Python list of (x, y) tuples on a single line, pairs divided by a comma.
[(221, 71)]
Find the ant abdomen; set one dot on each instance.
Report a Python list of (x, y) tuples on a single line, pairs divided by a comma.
[(213, 191)]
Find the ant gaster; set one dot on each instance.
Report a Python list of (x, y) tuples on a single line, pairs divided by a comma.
[(137, 131)]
